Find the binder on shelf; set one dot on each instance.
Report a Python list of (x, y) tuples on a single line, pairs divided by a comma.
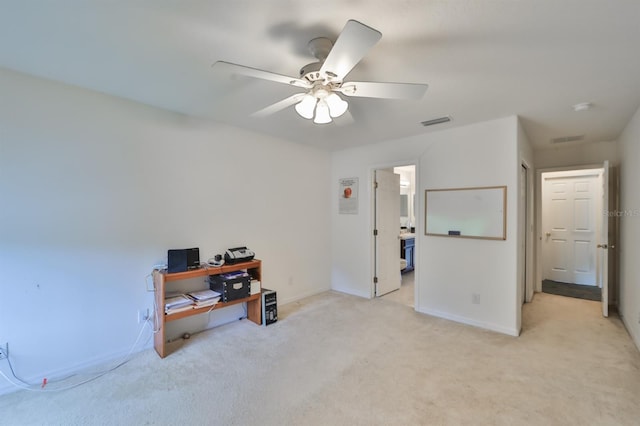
[(179, 309), (203, 295), (175, 302), (207, 302)]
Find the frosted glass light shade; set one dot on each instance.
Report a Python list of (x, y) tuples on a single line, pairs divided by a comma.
[(337, 106), (306, 106), (322, 113)]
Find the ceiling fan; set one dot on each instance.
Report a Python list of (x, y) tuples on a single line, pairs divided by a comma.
[(324, 80)]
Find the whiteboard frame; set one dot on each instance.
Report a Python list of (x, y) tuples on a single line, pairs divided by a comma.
[(477, 237)]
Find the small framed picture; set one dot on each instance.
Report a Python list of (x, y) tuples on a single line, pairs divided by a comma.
[(348, 196)]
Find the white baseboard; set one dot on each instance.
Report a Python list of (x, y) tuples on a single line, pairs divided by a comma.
[(302, 296), (630, 330), (464, 320), (98, 363), (351, 292)]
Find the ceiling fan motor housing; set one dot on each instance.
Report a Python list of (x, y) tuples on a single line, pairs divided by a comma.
[(319, 48), (311, 72)]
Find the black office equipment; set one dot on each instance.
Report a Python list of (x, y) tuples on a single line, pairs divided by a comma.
[(237, 255), (269, 306), (182, 260), (231, 286)]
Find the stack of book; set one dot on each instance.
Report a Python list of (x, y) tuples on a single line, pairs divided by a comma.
[(173, 304), (195, 299), (204, 298)]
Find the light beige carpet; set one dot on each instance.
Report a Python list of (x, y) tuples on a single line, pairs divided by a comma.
[(406, 293), (335, 359)]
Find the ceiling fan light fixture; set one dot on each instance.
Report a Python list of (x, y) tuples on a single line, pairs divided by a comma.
[(306, 107), (322, 113), (337, 106)]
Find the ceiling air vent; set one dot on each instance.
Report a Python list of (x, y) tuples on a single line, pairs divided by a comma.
[(436, 121), (565, 139)]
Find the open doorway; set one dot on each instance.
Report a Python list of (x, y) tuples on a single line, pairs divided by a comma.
[(574, 245), (402, 257)]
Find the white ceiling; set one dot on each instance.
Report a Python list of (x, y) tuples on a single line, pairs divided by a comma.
[(482, 59)]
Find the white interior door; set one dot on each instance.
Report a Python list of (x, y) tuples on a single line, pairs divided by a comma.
[(603, 245), (570, 207), (387, 232)]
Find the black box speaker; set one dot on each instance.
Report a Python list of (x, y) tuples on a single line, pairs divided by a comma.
[(269, 306), (182, 260)]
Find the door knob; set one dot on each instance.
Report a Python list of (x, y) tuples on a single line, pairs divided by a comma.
[(604, 246), (548, 234)]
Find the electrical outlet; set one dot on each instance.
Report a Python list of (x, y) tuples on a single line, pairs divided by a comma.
[(143, 315), (4, 350), (475, 298)]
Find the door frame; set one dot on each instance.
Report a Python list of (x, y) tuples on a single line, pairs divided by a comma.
[(418, 226), (538, 207), (529, 234)]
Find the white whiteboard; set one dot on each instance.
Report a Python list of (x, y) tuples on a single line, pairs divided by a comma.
[(467, 212)]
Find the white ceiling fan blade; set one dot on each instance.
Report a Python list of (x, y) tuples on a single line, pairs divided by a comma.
[(279, 106), (368, 89), (352, 44), (256, 73)]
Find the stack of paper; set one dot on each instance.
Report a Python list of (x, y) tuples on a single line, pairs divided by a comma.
[(255, 286), (178, 303), (204, 298)]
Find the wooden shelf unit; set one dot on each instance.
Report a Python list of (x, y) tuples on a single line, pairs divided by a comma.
[(161, 278)]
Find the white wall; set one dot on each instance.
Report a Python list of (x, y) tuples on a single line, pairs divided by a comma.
[(485, 154), (352, 241), (95, 189), (449, 270), (629, 245), (580, 155)]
